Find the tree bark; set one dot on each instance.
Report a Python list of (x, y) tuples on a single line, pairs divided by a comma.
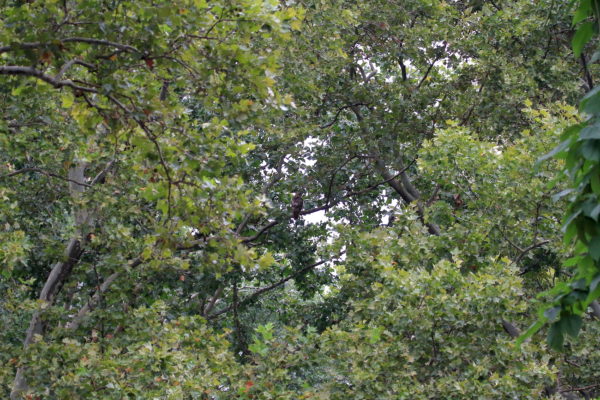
[(58, 276)]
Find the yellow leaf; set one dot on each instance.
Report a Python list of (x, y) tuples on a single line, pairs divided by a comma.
[(266, 260)]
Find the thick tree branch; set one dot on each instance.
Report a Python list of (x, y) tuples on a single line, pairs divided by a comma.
[(69, 64), (213, 301), (403, 69), (404, 187), (59, 273), (586, 72), (261, 232), (578, 389)]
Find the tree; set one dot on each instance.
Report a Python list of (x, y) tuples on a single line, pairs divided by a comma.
[(95, 97), (570, 300), (151, 246)]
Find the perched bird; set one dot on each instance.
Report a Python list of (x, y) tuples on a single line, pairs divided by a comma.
[(512, 330), (297, 204)]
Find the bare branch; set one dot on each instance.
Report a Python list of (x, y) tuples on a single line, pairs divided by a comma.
[(213, 301)]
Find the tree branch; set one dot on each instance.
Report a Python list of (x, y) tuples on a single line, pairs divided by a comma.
[(337, 114), (260, 233), (528, 249), (69, 64), (41, 171), (93, 301), (213, 301), (404, 187), (100, 42), (427, 72), (60, 272), (578, 389), (30, 71), (254, 295)]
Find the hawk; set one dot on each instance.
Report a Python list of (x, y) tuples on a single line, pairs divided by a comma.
[(297, 204)]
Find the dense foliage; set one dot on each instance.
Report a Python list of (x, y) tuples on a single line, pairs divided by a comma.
[(317, 199), (579, 149)]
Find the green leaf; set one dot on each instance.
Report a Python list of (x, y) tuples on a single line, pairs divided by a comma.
[(556, 336), (558, 149), (595, 212), (590, 131), (579, 284), (552, 313), (571, 324), (569, 233), (67, 99), (594, 248), (569, 220), (590, 150), (594, 283), (590, 103), (535, 327), (595, 182), (266, 260), (583, 11), (562, 194), (582, 36)]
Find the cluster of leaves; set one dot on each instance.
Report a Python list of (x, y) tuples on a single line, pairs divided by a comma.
[(579, 148), (150, 151)]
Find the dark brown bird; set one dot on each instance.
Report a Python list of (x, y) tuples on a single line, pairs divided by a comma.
[(297, 204), (512, 330)]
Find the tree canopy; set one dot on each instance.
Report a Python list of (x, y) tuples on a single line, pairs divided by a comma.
[(302, 199)]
